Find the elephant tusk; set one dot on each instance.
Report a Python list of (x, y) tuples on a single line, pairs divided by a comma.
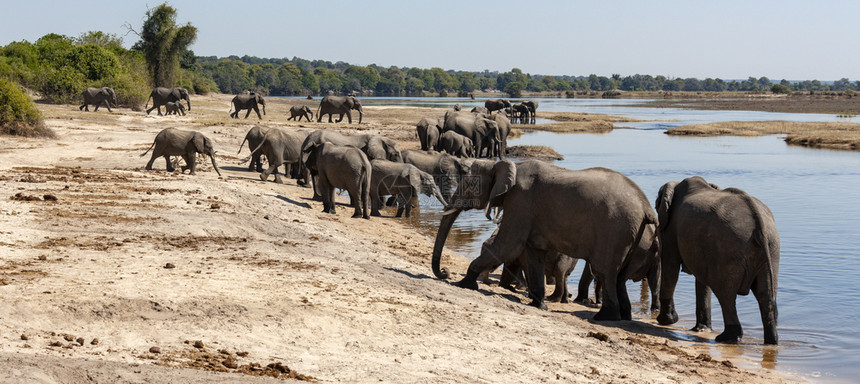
[(449, 211)]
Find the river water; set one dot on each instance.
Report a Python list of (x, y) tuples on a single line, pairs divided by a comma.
[(814, 195)]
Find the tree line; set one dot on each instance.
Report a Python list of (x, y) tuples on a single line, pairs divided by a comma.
[(59, 67)]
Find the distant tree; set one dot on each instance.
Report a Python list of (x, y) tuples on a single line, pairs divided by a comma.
[(780, 88), (514, 89), (162, 43), (101, 39)]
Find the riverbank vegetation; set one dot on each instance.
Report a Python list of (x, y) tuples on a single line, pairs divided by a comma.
[(18, 115), (839, 135)]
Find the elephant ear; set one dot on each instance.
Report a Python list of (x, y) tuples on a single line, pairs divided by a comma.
[(504, 178), (664, 204), (375, 149), (199, 142)]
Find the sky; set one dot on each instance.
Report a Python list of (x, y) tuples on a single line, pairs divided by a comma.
[(726, 39)]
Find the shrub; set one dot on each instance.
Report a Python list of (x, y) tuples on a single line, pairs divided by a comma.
[(780, 88), (18, 115)]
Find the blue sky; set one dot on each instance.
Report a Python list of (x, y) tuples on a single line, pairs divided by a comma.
[(787, 39)]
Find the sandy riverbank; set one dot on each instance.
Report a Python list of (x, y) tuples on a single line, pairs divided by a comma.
[(120, 272)]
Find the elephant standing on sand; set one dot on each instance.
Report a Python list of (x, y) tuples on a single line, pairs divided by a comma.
[(429, 130), (339, 105), (162, 95), (456, 144), (594, 214), (728, 240), (483, 131), (282, 146), (250, 101), (343, 167), (174, 108), (175, 142), (97, 97), (493, 105), (301, 111), (401, 180)]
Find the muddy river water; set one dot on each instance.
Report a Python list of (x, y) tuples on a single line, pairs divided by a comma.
[(814, 195)]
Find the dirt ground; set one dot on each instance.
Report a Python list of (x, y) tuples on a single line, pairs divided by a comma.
[(113, 274)]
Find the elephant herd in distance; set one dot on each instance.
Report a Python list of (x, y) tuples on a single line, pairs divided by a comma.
[(548, 217)]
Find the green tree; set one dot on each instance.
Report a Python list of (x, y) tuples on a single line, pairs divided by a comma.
[(163, 42), (18, 115), (514, 89), (101, 39)]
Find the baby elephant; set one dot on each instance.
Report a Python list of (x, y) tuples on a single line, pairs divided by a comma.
[(303, 111), (401, 180), (175, 142), (174, 108), (341, 167)]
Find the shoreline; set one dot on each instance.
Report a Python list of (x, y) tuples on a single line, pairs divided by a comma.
[(261, 276)]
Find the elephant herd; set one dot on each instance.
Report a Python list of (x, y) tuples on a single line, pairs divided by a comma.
[(548, 217)]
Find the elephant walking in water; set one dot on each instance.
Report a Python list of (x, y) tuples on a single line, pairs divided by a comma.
[(162, 95), (250, 101), (97, 97), (728, 240), (594, 214), (175, 142), (339, 105)]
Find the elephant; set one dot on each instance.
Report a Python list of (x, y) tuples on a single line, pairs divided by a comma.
[(97, 97), (519, 112), (342, 167), (500, 149), (162, 95), (340, 105), (175, 142), (457, 107), (728, 240), (254, 137), (532, 108), (429, 131), (483, 131), (401, 180), (174, 108), (301, 111), (249, 101), (282, 147), (456, 144), (595, 214), (447, 170), (374, 146), (493, 105), (480, 110)]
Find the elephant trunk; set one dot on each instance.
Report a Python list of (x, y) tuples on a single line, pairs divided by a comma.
[(441, 236), (360, 114), (438, 194), (264, 109), (188, 100), (214, 165)]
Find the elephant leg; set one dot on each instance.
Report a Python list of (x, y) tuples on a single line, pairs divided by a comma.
[(257, 109), (375, 202), (585, 281), (671, 269), (507, 246), (329, 118), (610, 310), (169, 165), (653, 280), (536, 267), (96, 109), (624, 306), (107, 105), (150, 110), (733, 331), (273, 168), (703, 308), (348, 116), (81, 108), (191, 160), (764, 291), (355, 196), (248, 113), (560, 292), (151, 160), (339, 119)]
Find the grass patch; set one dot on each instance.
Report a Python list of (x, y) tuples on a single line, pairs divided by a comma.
[(838, 135), (536, 152)]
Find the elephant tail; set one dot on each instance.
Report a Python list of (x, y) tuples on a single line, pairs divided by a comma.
[(147, 151), (147, 102), (255, 149), (319, 108), (242, 145)]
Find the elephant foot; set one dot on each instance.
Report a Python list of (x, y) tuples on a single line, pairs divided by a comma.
[(376, 214), (279, 179), (667, 317), (467, 283), (539, 304), (357, 214), (732, 334), (366, 217), (264, 176), (586, 302), (606, 315), (701, 328), (554, 298)]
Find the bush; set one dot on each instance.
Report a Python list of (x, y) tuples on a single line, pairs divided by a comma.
[(18, 115), (780, 88)]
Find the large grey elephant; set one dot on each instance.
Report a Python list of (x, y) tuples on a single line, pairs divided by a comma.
[(282, 147), (250, 101), (162, 95), (301, 111), (493, 105), (532, 108), (339, 105), (174, 108), (401, 180), (728, 240), (483, 131), (175, 142), (97, 97), (447, 170), (374, 146), (500, 149), (456, 144), (594, 214), (342, 167), (429, 130)]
